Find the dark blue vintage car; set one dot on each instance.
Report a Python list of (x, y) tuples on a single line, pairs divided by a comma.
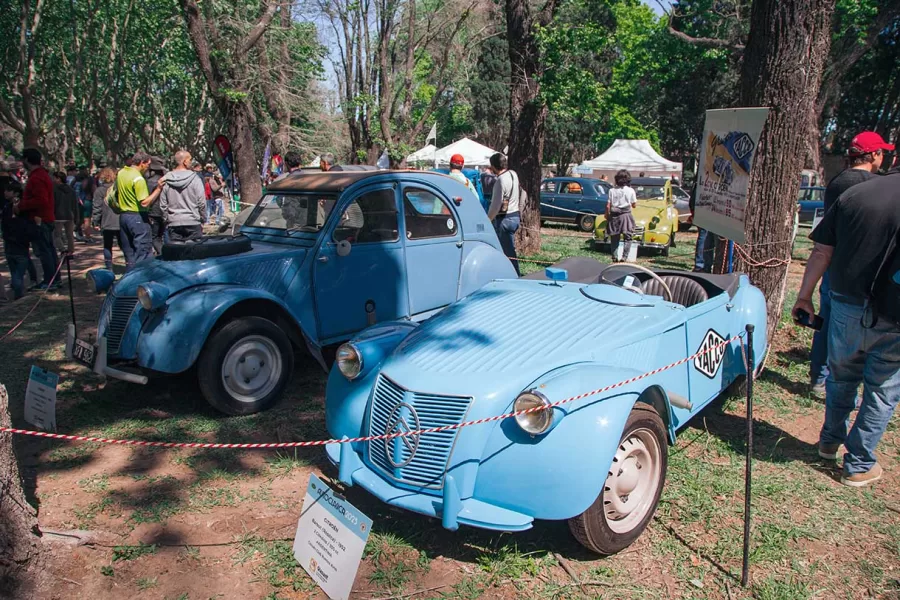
[(576, 200), (810, 199), (321, 257)]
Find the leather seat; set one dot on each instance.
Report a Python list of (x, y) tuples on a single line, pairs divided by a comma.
[(685, 291)]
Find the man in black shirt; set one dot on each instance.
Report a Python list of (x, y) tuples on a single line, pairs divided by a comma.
[(851, 242), (866, 154)]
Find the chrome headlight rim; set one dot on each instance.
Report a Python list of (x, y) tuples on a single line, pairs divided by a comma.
[(526, 421), (351, 365), (152, 296)]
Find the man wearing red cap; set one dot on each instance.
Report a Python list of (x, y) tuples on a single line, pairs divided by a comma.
[(457, 162), (852, 244), (865, 155)]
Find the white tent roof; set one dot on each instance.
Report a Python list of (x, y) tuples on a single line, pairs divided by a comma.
[(475, 154), (425, 154), (634, 155)]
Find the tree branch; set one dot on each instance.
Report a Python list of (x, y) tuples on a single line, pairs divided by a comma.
[(702, 41), (261, 26)]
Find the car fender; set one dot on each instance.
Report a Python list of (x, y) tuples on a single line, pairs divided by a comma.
[(171, 339), (751, 309), (559, 474), (481, 263)]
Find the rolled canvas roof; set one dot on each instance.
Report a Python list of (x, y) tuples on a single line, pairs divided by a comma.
[(634, 155)]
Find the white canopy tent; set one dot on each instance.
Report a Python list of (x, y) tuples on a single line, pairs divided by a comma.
[(425, 155), (475, 154), (637, 156)]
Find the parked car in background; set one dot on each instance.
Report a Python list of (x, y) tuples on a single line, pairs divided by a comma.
[(474, 177), (811, 198), (578, 200), (320, 257), (656, 217), (809, 178), (599, 461)]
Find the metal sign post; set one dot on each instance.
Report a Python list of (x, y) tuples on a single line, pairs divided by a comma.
[(71, 295), (745, 570)]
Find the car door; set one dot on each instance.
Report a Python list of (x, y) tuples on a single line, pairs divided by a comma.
[(548, 198), (433, 243), (569, 199), (359, 271), (595, 199), (708, 325)]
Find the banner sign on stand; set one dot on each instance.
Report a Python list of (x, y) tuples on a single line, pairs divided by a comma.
[(40, 399), (224, 157), (331, 536), (729, 145)]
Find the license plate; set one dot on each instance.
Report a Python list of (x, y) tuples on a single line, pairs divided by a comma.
[(84, 353)]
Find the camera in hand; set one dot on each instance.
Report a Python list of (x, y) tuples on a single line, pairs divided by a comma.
[(808, 320)]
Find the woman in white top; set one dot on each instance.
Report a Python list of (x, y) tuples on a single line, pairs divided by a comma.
[(619, 221)]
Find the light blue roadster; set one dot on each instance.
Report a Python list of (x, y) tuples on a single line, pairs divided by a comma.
[(599, 462)]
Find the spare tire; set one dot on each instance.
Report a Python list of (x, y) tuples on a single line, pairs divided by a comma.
[(208, 247)]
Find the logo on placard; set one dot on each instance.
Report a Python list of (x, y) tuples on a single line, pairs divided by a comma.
[(402, 419), (712, 355), (313, 565)]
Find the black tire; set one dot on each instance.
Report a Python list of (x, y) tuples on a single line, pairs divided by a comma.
[(208, 247), (586, 222), (252, 340), (592, 527)]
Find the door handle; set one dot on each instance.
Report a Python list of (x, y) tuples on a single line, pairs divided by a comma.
[(322, 259), (459, 244)]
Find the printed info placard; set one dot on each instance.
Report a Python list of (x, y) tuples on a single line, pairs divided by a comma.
[(331, 536), (40, 399)]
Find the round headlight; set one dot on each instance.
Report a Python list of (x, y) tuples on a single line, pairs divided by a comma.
[(145, 298), (349, 361), (537, 421)]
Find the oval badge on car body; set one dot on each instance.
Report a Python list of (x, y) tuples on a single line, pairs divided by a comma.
[(402, 419)]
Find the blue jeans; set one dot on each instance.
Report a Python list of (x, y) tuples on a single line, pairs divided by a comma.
[(41, 238), (210, 211), (506, 227), (818, 356), (705, 252), (220, 210), (134, 239), (18, 265), (870, 357)]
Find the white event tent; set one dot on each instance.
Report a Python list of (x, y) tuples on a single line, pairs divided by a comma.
[(425, 155), (475, 154), (637, 156)]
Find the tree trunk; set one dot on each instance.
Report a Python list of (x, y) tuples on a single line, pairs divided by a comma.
[(527, 114), (244, 153), (783, 64), (20, 543)]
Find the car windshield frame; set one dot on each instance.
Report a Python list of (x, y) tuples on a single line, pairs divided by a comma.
[(308, 229)]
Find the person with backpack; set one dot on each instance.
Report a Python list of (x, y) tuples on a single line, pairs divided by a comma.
[(504, 209), (104, 217), (14, 230), (856, 243), (129, 196)]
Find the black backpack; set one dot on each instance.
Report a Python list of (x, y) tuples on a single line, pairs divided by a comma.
[(883, 300)]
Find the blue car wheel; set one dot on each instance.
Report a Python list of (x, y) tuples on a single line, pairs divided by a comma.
[(632, 488)]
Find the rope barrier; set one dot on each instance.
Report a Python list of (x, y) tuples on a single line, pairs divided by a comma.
[(40, 297), (370, 438), (766, 264)]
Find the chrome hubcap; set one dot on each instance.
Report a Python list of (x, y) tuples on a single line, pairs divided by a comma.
[(252, 368), (633, 481)]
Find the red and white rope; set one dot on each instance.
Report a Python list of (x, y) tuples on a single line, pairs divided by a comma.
[(370, 438), (31, 310)]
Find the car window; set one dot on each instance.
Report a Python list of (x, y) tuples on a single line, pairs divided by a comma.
[(649, 192), (572, 188), (292, 212), (811, 194), (371, 218), (548, 187), (602, 189), (680, 193), (427, 215)]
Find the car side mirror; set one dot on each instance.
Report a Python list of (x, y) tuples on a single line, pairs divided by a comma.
[(343, 248)]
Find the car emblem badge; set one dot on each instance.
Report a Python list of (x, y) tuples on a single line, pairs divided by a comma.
[(402, 419), (712, 355)]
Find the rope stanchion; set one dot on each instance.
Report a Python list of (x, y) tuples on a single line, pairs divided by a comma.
[(370, 438), (32, 309), (745, 566)]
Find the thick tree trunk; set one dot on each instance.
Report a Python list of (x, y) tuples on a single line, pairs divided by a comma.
[(527, 114), (20, 543), (783, 64), (244, 153)]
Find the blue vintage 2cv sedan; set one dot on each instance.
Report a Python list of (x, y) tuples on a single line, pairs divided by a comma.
[(598, 461), (321, 257)]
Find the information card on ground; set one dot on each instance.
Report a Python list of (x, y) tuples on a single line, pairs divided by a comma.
[(40, 399), (330, 539)]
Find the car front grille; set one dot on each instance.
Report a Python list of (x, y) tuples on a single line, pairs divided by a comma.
[(638, 233), (394, 409), (116, 313)]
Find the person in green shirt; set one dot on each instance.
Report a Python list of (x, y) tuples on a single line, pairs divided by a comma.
[(134, 230)]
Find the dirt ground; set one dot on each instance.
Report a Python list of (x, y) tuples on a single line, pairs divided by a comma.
[(125, 522)]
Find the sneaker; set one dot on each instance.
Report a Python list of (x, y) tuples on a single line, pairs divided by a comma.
[(863, 479), (829, 451), (817, 390)]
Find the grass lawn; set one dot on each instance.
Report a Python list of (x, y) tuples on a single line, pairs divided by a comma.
[(218, 524)]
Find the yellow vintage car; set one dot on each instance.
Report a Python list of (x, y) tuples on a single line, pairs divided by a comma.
[(655, 218)]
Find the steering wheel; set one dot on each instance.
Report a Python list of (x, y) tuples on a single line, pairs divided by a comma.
[(638, 290)]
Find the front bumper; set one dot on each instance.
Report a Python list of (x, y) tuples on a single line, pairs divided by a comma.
[(448, 507), (644, 241), (100, 363)]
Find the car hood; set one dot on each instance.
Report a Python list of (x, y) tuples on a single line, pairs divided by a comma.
[(264, 267), (647, 209), (509, 333)]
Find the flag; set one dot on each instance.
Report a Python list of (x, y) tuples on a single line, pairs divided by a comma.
[(224, 157), (265, 162), (432, 135)]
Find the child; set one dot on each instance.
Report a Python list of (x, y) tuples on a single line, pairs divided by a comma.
[(619, 220), (15, 238)]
